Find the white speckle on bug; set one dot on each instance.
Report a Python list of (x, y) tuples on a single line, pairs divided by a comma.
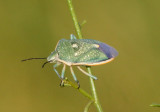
[(96, 45), (75, 45), (75, 54)]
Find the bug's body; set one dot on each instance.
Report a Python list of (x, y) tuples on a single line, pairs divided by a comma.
[(83, 52), (77, 52)]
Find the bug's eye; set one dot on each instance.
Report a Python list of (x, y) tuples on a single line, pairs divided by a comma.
[(75, 46)]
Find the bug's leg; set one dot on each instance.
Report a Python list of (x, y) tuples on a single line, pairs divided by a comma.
[(90, 75), (62, 75), (72, 36), (74, 76), (54, 67), (63, 71)]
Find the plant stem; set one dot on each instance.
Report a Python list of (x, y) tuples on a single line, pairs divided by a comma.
[(76, 24), (155, 105), (87, 106), (69, 83), (94, 93), (78, 30)]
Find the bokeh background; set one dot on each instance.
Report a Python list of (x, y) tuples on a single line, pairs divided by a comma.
[(31, 28)]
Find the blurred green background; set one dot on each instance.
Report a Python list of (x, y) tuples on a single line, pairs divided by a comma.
[(31, 28)]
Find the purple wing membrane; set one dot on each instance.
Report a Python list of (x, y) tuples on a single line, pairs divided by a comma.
[(109, 51)]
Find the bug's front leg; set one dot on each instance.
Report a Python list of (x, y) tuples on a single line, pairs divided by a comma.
[(74, 76), (54, 67)]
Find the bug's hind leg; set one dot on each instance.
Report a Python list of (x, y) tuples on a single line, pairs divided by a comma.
[(74, 76), (90, 75), (72, 36)]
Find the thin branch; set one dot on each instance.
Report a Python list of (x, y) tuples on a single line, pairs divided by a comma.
[(66, 83), (87, 106), (76, 24), (155, 105), (94, 93), (78, 30)]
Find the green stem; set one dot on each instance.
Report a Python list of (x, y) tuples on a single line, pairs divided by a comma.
[(76, 24), (78, 30), (66, 83), (155, 105), (87, 106), (93, 88)]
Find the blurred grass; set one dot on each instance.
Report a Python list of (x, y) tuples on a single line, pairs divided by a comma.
[(32, 28)]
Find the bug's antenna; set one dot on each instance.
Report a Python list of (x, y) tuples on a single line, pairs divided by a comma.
[(32, 59), (45, 63)]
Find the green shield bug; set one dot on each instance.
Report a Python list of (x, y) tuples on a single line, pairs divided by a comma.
[(79, 52)]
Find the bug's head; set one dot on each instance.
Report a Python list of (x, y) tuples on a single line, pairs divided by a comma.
[(52, 57)]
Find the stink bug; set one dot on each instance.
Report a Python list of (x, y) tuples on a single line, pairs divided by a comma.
[(79, 52)]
